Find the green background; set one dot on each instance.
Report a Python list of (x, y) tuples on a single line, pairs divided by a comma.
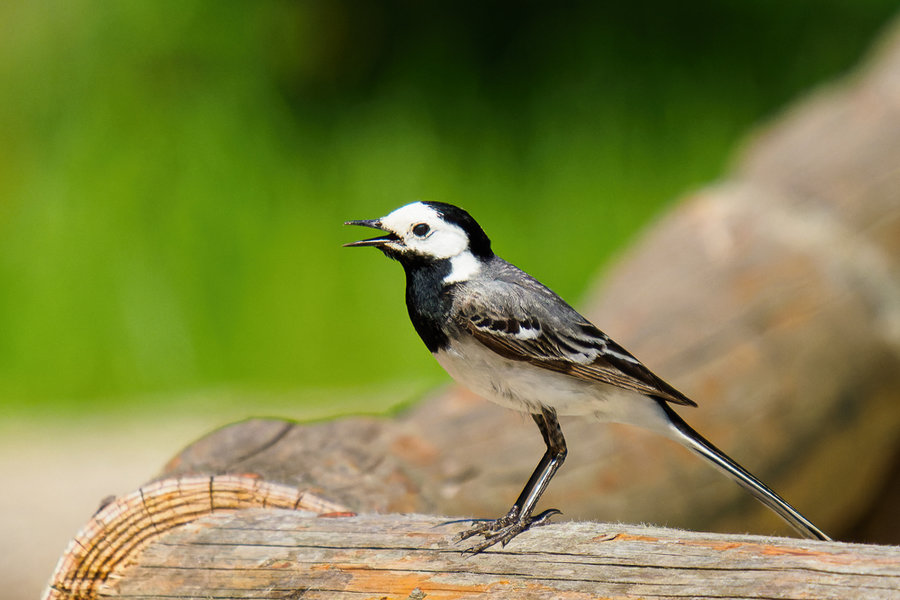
[(174, 175)]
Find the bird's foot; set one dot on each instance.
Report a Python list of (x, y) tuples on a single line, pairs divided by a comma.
[(502, 530)]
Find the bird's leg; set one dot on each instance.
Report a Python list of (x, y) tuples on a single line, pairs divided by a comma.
[(519, 518)]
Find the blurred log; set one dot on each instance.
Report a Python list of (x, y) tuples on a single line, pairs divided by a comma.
[(779, 307), (188, 550), (773, 299)]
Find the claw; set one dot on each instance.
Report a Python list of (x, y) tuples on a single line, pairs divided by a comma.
[(455, 521), (544, 517), (504, 529)]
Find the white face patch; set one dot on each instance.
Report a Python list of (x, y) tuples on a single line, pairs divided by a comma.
[(462, 267), (442, 240)]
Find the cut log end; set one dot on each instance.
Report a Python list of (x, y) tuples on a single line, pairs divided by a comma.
[(122, 527)]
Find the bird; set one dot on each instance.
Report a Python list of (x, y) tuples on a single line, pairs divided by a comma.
[(507, 337)]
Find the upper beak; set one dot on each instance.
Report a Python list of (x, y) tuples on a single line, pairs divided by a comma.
[(375, 241)]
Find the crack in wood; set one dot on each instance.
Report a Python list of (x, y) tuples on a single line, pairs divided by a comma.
[(277, 437)]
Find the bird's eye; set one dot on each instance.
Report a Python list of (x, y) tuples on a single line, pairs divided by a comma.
[(421, 229)]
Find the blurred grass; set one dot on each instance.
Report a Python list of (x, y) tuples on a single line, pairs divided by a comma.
[(173, 175)]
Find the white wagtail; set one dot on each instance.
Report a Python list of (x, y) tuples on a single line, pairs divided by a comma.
[(509, 338)]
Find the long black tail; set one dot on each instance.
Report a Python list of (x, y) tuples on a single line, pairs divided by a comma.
[(697, 443)]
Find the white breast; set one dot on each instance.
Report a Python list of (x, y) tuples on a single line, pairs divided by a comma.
[(526, 387)]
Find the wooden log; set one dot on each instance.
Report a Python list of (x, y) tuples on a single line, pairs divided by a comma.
[(259, 554), (122, 527), (187, 550), (777, 310)]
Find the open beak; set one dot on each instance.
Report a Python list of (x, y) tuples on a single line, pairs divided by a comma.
[(375, 241)]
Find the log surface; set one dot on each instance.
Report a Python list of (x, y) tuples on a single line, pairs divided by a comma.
[(258, 553)]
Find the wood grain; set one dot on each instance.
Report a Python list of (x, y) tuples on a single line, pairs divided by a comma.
[(124, 526), (281, 554)]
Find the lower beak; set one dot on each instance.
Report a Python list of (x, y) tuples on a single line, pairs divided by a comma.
[(375, 241)]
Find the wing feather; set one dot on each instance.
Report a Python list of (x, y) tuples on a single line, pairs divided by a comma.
[(521, 324)]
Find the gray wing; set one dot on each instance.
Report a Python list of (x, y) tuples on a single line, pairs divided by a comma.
[(526, 321)]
